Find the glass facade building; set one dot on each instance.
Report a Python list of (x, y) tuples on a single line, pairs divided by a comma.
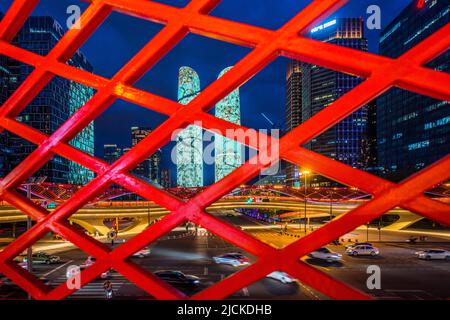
[(228, 153), (149, 168), (320, 87), (413, 131), (189, 153), (52, 106), (111, 153), (293, 111)]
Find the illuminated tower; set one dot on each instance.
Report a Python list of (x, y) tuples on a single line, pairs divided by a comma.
[(227, 151), (189, 141)]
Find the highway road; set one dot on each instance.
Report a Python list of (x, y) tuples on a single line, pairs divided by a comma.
[(402, 275)]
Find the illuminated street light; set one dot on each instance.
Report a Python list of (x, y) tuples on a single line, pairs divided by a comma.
[(305, 174)]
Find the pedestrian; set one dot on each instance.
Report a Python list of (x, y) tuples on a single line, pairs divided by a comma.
[(107, 286)]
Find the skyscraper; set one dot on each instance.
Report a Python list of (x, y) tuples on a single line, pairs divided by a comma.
[(320, 87), (189, 141), (52, 106), (293, 110), (111, 152), (227, 152), (166, 179), (149, 168), (413, 130)]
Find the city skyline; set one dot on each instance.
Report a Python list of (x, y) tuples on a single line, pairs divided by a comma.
[(169, 209)]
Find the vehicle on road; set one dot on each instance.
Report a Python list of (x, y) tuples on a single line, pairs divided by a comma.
[(433, 254), (283, 277), (43, 258), (363, 250), (89, 262), (142, 253), (412, 240), (325, 254), (178, 278), (232, 259), (358, 244)]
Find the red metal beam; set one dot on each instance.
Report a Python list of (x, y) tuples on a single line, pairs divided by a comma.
[(407, 72)]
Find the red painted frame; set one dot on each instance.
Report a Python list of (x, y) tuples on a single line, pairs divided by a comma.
[(407, 72)]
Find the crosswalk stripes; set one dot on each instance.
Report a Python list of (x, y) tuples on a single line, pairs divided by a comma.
[(94, 289)]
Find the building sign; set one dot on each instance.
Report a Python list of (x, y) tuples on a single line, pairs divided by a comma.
[(324, 26)]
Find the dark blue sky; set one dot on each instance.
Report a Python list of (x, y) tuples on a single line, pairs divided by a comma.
[(121, 36)]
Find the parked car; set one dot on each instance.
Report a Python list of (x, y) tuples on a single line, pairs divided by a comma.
[(433, 254), (142, 253), (178, 278), (43, 258), (282, 277), (363, 250), (325, 254), (232, 259)]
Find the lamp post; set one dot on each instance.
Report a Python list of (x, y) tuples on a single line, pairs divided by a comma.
[(305, 175)]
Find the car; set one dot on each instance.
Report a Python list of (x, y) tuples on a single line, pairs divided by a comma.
[(359, 244), (43, 258), (282, 277), (325, 254), (142, 253), (89, 262), (232, 259), (433, 254), (363, 250), (178, 278)]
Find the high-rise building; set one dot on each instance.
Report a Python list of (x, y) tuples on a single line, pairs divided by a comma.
[(320, 87), (111, 153), (227, 152), (53, 105), (413, 130), (166, 179), (5, 151), (149, 168), (189, 142), (293, 110)]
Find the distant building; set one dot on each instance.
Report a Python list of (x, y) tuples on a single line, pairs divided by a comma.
[(228, 153), (293, 111), (320, 87), (279, 179), (52, 106), (189, 141), (413, 130), (149, 168), (166, 179), (111, 153)]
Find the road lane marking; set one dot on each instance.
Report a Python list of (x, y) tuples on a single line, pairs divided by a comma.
[(56, 269)]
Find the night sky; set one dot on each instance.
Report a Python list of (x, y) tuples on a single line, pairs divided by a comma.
[(121, 37)]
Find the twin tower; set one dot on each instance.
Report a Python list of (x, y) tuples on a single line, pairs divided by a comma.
[(189, 153)]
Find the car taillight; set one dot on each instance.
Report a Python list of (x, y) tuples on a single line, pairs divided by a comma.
[(243, 259)]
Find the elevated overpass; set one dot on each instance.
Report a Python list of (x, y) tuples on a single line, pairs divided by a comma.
[(143, 213)]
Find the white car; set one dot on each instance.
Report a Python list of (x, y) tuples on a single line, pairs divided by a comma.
[(325, 254), (89, 262), (362, 250), (142, 253), (282, 277), (434, 254), (232, 259)]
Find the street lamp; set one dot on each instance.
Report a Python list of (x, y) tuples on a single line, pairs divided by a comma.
[(305, 175)]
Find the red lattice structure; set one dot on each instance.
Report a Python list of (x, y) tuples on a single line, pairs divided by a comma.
[(407, 72)]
